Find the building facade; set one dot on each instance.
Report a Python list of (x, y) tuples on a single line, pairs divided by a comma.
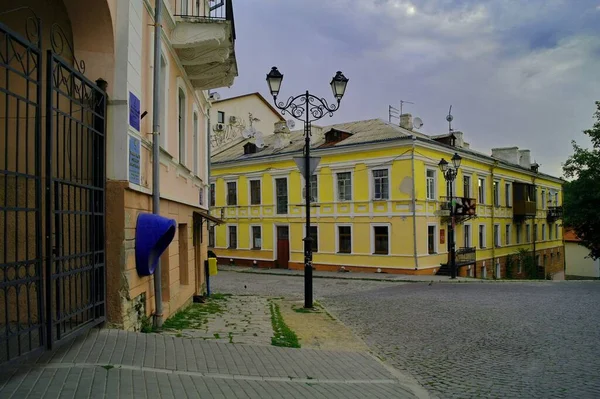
[(76, 84), (380, 204), (579, 264)]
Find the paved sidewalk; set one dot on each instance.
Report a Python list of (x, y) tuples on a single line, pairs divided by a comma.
[(114, 363)]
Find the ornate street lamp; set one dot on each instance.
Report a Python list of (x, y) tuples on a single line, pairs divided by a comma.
[(450, 173), (307, 108)]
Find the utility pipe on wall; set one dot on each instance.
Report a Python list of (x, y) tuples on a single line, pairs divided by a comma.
[(414, 203), (493, 224), (158, 316)]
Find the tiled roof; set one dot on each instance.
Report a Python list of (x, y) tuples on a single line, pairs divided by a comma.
[(570, 235)]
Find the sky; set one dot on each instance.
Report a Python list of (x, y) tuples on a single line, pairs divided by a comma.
[(517, 73)]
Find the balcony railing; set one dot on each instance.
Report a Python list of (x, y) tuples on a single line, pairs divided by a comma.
[(203, 10), (466, 255), (524, 208), (555, 213), (461, 206)]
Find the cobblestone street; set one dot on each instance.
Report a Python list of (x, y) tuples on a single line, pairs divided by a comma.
[(506, 339)]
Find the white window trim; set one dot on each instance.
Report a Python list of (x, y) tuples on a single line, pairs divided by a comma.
[(337, 238), (519, 238), (251, 246), (237, 236), (543, 232), (304, 188), (336, 198), (435, 183), (497, 237), (318, 235), (372, 183), (196, 134), (210, 191), (287, 181), (556, 235), (470, 235), (528, 237), (508, 239), (470, 176), (164, 130), (508, 196), (181, 86), (543, 195), (484, 236), (483, 198), (250, 191), (497, 193), (389, 229), (436, 238), (237, 196)]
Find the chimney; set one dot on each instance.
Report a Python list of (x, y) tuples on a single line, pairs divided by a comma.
[(507, 154), (460, 140), (525, 158), (406, 121), (282, 135)]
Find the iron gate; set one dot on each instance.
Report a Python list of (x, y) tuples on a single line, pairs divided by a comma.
[(52, 201)]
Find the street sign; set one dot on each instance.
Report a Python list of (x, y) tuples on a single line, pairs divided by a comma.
[(314, 162), (442, 212)]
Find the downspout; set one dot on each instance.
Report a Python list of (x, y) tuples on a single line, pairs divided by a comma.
[(534, 228), (493, 217), (156, 106), (414, 203)]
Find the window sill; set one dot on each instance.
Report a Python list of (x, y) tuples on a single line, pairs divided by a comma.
[(380, 254), (256, 249), (344, 253), (231, 247)]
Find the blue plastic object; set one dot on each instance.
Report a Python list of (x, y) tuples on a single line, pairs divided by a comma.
[(153, 234)]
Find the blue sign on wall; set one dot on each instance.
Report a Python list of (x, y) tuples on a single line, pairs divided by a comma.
[(134, 160), (134, 111)]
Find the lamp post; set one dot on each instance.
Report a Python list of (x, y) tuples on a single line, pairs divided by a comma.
[(307, 108), (450, 172)]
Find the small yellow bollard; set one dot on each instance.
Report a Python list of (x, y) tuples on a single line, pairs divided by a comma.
[(212, 266)]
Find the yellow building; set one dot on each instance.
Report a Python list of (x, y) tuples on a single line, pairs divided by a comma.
[(380, 203)]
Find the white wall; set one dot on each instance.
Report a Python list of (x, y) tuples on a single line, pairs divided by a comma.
[(577, 262)]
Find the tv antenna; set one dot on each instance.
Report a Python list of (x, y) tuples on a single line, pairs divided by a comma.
[(402, 102), (450, 118), (393, 113)]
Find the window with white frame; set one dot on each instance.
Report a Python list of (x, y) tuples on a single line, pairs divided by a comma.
[(481, 190), (482, 237), (164, 90), (497, 241), (314, 189), (431, 239), (211, 236), (528, 233), (467, 186), (556, 231), (220, 117), (496, 193), (507, 234), (181, 120), (231, 193), (196, 143), (550, 226), (507, 194), (543, 231), (212, 194), (544, 199), (232, 235), (281, 192), (381, 240), (201, 195), (256, 237), (431, 173), (380, 184), (344, 186), (519, 233), (467, 235), (255, 192), (344, 239)]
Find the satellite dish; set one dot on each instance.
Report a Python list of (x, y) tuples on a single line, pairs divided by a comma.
[(290, 124), (449, 118), (417, 123), (246, 133), (258, 140)]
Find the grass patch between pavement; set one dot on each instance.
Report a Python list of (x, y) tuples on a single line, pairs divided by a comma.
[(282, 334), (194, 316)]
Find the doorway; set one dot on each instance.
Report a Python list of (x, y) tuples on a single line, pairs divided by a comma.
[(283, 247)]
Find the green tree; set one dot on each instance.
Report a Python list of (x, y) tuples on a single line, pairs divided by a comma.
[(581, 204)]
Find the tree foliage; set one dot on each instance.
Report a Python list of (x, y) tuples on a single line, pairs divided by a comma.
[(581, 204)]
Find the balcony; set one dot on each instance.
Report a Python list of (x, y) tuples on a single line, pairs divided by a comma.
[(554, 213), (523, 208), (204, 39), (462, 208)]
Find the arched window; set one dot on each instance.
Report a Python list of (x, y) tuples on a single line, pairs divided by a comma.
[(182, 109)]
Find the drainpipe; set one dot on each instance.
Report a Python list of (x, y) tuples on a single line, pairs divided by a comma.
[(493, 216), (534, 228), (414, 203), (158, 316)]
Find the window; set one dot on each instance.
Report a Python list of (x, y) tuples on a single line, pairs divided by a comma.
[(543, 199), (507, 234), (344, 186), (451, 188), (231, 193), (254, 192), (467, 235), (507, 194), (201, 195), (182, 143), (381, 234), (314, 189), (282, 195), (481, 189), (467, 186), (550, 231), (345, 239), (163, 82), (482, 240), (232, 237), (256, 237), (212, 194), (220, 117), (195, 166), (519, 231), (528, 233), (184, 275), (496, 193), (431, 240), (543, 231), (314, 235), (381, 184), (431, 184), (211, 236), (497, 241), (556, 231)]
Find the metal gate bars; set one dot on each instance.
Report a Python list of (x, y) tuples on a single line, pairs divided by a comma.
[(52, 202)]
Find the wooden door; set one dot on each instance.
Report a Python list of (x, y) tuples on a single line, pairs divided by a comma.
[(283, 247)]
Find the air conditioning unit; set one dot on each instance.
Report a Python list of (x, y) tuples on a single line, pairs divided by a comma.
[(233, 120), (219, 127)]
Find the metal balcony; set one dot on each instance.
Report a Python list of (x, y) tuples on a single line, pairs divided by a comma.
[(554, 213), (204, 39)]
